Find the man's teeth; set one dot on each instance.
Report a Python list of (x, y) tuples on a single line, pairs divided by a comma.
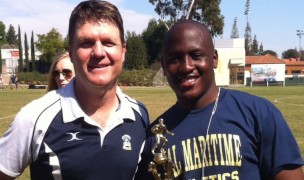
[(188, 80)]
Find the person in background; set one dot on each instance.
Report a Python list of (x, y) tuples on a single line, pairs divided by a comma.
[(218, 133), (88, 129), (61, 72), (1, 81), (14, 81)]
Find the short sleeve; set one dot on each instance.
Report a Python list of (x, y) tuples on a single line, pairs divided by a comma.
[(278, 145), (14, 146)]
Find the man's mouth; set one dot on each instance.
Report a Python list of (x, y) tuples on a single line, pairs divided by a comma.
[(187, 81)]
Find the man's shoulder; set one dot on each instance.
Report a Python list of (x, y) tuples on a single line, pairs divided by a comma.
[(246, 100), (44, 108), (136, 105), (39, 105), (243, 96)]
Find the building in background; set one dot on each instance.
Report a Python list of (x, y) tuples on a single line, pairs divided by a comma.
[(264, 69), (10, 59), (294, 73), (294, 67), (231, 62)]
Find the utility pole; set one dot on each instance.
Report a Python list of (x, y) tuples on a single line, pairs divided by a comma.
[(300, 33)]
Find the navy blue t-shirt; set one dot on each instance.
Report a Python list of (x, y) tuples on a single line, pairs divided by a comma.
[(248, 138)]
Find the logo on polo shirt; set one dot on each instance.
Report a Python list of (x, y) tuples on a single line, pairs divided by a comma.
[(74, 137), (126, 141)]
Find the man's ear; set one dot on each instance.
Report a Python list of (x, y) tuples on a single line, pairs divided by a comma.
[(215, 59), (124, 49), (70, 53)]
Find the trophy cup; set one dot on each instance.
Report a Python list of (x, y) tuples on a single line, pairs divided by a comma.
[(162, 166)]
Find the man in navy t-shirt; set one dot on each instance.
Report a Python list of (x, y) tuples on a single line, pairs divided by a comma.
[(88, 129), (218, 133)]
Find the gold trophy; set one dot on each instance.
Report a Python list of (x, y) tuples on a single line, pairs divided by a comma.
[(162, 166)]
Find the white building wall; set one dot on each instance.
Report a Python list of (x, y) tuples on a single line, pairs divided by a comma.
[(10, 59), (230, 51)]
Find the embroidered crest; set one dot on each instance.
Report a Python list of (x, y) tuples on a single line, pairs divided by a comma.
[(126, 141)]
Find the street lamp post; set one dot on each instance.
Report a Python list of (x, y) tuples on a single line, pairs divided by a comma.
[(300, 33)]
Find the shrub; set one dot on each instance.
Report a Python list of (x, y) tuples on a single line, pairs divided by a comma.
[(32, 78), (127, 78), (137, 77)]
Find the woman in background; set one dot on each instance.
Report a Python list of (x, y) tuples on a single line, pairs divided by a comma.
[(61, 72)]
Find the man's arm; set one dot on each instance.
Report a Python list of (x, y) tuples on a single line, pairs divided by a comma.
[(287, 174)]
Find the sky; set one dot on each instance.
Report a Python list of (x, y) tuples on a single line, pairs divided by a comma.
[(274, 22)]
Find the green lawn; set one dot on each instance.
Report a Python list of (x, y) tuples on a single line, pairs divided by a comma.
[(290, 100)]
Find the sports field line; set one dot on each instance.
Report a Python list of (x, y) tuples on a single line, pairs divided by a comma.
[(279, 100)]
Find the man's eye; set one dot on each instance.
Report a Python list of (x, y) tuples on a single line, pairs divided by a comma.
[(196, 56), (108, 44), (172, 60), (86, 44)]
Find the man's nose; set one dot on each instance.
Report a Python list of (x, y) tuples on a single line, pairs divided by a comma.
[(98, 49), (187, 63)]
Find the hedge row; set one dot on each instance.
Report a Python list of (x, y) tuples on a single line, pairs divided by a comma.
[(127, 78)]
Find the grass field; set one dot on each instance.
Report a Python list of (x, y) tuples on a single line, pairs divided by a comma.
[(290, 100)]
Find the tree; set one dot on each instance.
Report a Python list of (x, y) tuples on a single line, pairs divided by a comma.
[(170, 11), (153, 37), (2, 33), (20, 50), (2, 41), (248, 40), (26, 53), (235, 31), (247, 6), (247, 34), (290, 53), (136, 57), (207, 12), (261, 49), (11, 36), (302, 55), (50, 45), (255, 46), (65, 43), (211, 16), (33, 52), (270, 52)]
